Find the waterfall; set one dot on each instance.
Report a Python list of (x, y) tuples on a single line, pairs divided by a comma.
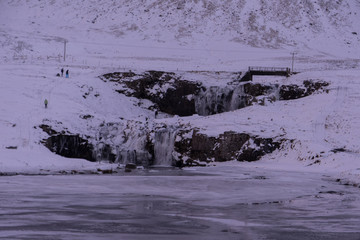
[(164, 147), (123, 142), (238, 99), (126, 156), (137, 157), (220, 99)]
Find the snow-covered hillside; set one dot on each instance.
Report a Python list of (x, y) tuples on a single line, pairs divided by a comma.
[(199, 40), (171, 34), (258, 23)]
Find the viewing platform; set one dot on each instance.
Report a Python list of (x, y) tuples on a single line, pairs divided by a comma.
[(265, 71)]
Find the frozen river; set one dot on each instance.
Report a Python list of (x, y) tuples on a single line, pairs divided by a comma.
[(179, 204)]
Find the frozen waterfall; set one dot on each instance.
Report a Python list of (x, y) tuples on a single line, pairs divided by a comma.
[(220, 99), (164, 147)]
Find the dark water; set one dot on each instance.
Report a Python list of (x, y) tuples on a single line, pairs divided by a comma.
[(167, 204)]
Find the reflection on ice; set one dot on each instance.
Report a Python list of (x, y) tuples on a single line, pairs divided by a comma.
[(234, 203)]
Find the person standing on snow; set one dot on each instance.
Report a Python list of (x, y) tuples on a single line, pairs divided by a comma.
[(67, 73), (62, 71), (46, 103)]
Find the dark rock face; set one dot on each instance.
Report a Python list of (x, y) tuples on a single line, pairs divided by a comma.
[(175, 100), (312, 86), (97, 149), (220, 149), (71, 146), (202, 147), (67, 145), (227, 146), (170, 94), (290, 92), (257, 89), (263, 146)]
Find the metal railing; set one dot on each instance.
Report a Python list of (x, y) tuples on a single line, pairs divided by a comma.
[(269, 69)]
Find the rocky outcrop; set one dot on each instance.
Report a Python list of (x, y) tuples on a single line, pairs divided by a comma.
[(200, 148), (148, 143), (290, 92), (257, 89), (178, 147), (71, 146), (167, 91), (66, 144), (259, 148), (173, 95), (220, 149)]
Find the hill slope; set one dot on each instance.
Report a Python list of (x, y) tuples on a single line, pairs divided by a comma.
[(309, 27)]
